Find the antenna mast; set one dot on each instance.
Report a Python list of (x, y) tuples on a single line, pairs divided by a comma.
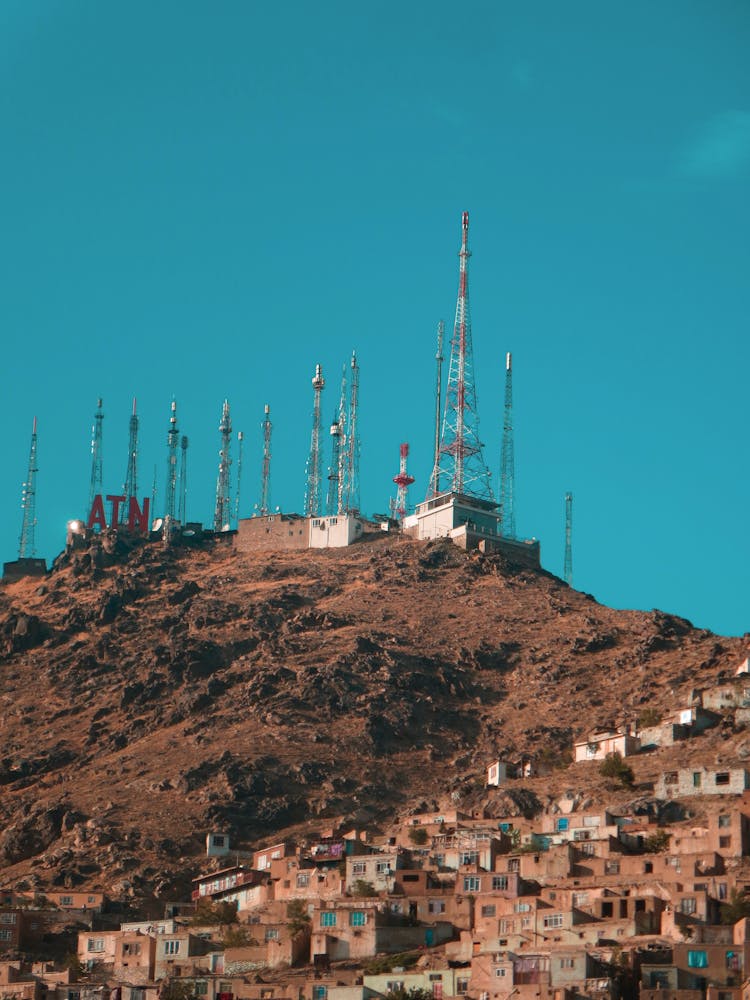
[(314, 470), (507, 465), (182, 513), (434, 488), (265, 482), (240, 441), (403, 480), (222, 510), (338, 441), (96, 454), (172, 439), (460, 457), (350, 497), (568, 565), (130, 488), (27, 541)]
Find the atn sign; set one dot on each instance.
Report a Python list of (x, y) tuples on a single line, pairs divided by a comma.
[(137, 517)]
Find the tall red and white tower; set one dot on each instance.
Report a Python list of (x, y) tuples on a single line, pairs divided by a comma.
[(460, 467), (403, 480)]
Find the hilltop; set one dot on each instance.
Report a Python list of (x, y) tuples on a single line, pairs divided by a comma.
[(155, 694)]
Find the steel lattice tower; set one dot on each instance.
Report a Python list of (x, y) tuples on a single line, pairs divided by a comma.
[(223, 508), (240, 444), (403, 480), (460, 460), (27, 541), (434, 488), (507, 461), (182, 512), (130, 488), (96, 454), (350, 478), (568, 564), (314, 462), (265, 479), (172, 440), (335, 498)]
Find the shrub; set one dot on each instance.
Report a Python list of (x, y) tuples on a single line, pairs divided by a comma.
[(362, 888), (649, 717), (297, 915), (613, 766), (418, 836), (657, 842)]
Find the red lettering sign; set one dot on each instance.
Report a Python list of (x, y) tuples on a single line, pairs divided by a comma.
[(137, 516)]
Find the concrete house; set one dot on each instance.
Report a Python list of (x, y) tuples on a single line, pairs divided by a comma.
[(599, 744), (687, 781)]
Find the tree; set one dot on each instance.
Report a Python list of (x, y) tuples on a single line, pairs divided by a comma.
[(362, 888), (736, 907), (415, 993), (657, 843), (207, 913), (237, 936), (297, 916), (418, 836), (176, 989), (613, 766)]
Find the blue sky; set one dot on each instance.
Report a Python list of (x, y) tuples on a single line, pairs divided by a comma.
[(203, 201)]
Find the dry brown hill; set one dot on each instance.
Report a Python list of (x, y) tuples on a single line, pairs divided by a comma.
[(165, 693)]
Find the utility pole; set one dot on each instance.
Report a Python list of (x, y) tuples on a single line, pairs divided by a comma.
[(222, 509), (95, 488), (172, 439), (314, 470), (507, 462), (27, 541), (350, 504), (265, 480), (460, 459), (568, 564)]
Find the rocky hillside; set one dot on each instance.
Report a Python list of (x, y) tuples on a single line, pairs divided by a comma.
[(151, 695)]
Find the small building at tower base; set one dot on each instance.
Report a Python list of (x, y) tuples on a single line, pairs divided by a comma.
[(471, 523)]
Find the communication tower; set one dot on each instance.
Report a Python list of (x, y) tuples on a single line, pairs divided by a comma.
[(434, 488), (403, 480), (223, 508), (130, 488), (350, 479), (27, 541), (507, 462), (460, 466), (314, 464), (335, 498), (96, 454), (265, 481), (568, 565), (182, 512), (240, 442), (172, 440)]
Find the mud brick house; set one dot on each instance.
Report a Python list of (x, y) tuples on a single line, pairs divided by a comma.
[(348, 929), (688, 781), (598, 744), (377, 869)]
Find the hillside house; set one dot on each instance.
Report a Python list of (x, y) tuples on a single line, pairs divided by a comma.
[(355, 929), (599, 744), (687, 782), (377, 869)]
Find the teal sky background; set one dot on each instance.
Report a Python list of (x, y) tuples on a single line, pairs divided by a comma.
[(205, 200)]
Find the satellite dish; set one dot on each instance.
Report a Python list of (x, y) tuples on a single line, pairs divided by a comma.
[(189, 532), (156, 526)]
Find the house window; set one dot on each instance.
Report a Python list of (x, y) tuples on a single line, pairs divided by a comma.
[(272, 934), (359, 868), (698, 959), (696, 779), (394, 986), (562, 824), (436, 906), (66, 900), (611, 867), (566, 963), (724, 821), (7, 918), (553, 920), (514, 864), (670, 778), (471, 883), (383, 868), (521, 907), (171, 947), (328, 918), (316, 522), (333, 520), (687, 905), (469, 857), (589, 849), (488, 911), (200, 987), (6, 935), (357, 918), (648, 867), (580, 899), (131, 948), (218, 842), (95, 944), (722, 889), (410, 878), (722, 778), (462, 985), (500, 882), (303, 881), (439, 860), (725, 841), (319, 992), (500, 973)]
